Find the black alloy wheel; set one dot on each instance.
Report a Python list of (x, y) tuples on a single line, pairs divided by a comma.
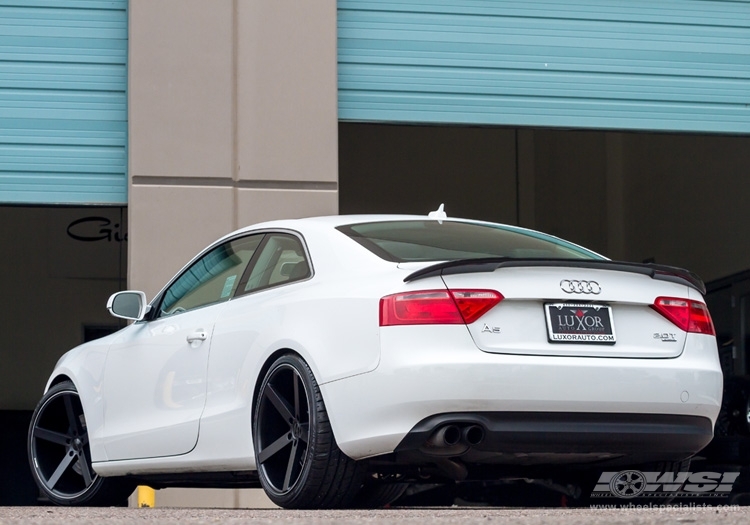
[(59, 455), (298, 461), (284, 431)]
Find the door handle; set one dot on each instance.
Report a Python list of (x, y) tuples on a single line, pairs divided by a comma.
[(198, 335)]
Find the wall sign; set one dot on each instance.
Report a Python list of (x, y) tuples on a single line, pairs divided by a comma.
[(92, 229)]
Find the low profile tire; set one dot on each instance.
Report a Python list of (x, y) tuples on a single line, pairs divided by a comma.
[(59, 456), (376, 495), (299, 464)]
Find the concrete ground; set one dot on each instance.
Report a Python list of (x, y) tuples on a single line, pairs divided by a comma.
[(435, 516)]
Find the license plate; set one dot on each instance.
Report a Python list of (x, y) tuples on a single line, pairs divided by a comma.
[(579, 323)]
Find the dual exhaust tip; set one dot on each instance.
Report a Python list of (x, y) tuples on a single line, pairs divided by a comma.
[(454, 439)]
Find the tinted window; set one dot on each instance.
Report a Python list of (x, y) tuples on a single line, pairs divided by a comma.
[(282, 260), (404, 241), (211, 279)]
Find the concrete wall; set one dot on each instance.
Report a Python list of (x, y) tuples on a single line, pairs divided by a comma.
[(232, 108), (233, 121)]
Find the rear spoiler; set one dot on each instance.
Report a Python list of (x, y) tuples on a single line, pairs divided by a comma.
[(659, 272)]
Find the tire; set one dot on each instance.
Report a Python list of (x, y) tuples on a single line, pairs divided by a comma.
[(674, 467), (299, 464), (59, 455), (376, 495)]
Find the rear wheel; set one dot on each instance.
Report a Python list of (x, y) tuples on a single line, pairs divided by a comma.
[(58, 448), (376, 494), (298, 461)]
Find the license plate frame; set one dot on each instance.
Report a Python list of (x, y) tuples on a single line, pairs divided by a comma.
[(580, 323)]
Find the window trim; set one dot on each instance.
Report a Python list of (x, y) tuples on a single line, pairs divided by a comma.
[(239, 292), (156, 301), (158, 314)]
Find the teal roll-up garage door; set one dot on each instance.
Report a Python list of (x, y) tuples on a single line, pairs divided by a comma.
[(63, 101), (678, 65)]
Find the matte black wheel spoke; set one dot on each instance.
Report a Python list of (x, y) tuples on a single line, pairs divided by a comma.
[(290, 466), (305, 431), (83, 464), (283, 428), (59, 445), (279, 403), (49, 435), (273, 448), (60, 470)]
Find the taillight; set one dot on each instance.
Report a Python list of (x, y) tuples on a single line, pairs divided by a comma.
[(690, 316), (437, 306)]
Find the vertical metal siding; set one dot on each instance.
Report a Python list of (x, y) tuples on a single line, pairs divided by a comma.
[(63, 101), (681, 65)]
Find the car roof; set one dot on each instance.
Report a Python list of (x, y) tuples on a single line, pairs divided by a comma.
[(328, 222), (337, 220)]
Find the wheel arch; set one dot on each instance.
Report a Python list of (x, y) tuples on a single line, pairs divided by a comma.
[(93, 408), (60, 378), (55, 482), (270, 360)]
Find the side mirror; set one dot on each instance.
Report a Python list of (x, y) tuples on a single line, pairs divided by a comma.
[(128, 305)]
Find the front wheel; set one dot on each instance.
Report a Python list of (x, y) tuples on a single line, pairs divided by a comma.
[(59, 456), (299, 463)]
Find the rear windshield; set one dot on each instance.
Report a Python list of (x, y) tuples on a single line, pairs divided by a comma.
[(429, 240)]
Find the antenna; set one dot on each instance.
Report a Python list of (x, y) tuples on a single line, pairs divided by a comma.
[(438, 214)]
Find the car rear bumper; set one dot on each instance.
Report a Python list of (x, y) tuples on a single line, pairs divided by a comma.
[(530, 438), (436, 372)]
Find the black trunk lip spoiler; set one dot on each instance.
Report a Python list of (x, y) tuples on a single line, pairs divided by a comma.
[(659, 272)]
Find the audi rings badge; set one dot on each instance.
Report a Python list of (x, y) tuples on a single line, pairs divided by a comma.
[(585, 287)]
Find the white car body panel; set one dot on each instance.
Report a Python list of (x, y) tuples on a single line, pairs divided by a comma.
[(155, 386), (521, 321), (84, 365), (421, 374), (377, 382)]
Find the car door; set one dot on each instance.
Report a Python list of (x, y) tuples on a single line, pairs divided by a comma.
[(246, 327), (154, 386)]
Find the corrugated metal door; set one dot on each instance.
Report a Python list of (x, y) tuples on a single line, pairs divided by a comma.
[(63, 101), (680, 65)]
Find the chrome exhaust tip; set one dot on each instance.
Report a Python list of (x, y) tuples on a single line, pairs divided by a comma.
[(445, 442), (472, 435), (445, 436)]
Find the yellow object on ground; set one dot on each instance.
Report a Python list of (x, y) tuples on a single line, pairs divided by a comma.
[(146, 496)]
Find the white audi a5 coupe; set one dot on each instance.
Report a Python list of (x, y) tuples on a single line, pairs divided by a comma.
[(333, 361)]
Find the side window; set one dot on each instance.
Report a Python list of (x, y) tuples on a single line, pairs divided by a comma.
[(282, 260), (211, 279)]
